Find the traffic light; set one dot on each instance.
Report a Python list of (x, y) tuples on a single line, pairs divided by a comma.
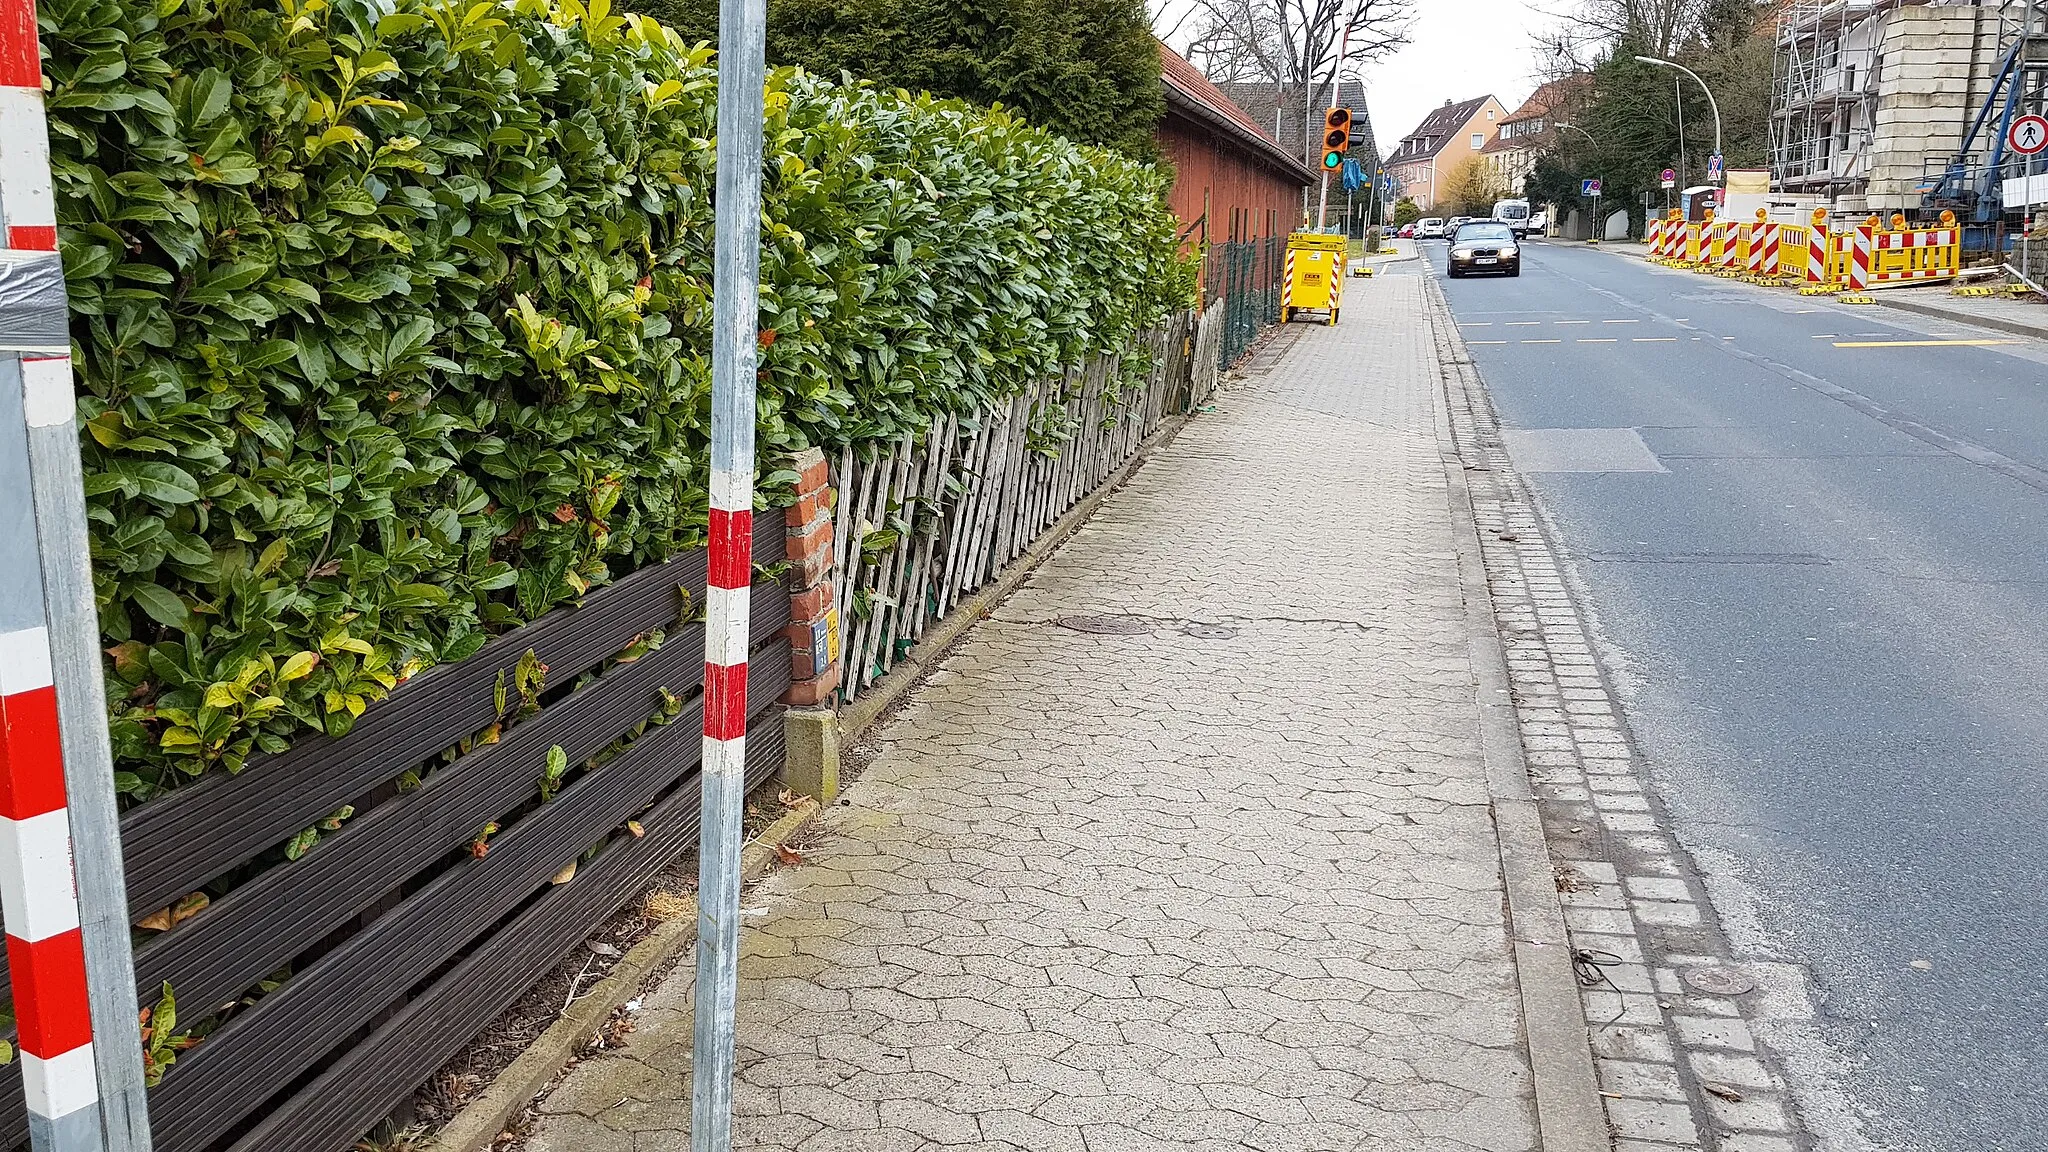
[(1336, 137)]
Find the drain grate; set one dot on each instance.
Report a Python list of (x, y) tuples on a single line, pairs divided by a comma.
[(1106, 625), (1210, 631)]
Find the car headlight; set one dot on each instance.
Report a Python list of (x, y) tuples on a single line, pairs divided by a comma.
[(1511, 250)]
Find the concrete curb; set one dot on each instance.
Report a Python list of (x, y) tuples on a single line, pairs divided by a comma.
[(873, 703), (1569, 1114), (477, 1125), (2015, 327)]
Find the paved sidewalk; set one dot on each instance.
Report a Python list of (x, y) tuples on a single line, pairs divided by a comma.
[(2000, 313), (1227, 882)]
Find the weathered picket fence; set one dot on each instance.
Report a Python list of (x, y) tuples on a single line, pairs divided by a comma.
[(935, 516)]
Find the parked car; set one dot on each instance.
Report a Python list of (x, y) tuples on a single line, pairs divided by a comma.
[(1407, 231), (1539, 222), (1485, 246), (1452, 225), (1430, 228)]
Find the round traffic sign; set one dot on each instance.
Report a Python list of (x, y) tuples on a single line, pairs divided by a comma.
[(2028, 135), (1667, 176)]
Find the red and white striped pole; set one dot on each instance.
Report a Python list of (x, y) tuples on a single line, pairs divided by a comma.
[(68, 951), (735, 321)]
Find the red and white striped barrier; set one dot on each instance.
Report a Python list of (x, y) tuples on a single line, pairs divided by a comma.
[(1287, 283), (1655, 237), (1817, 255), (1731, 246), (1864, 240), (1923, 250), (1763, 249)]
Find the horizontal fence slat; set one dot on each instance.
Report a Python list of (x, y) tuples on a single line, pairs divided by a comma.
[(362, 1085), (236, 1070), (260, 926), (175, 844)]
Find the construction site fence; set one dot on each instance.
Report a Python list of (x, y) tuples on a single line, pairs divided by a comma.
[(1779, 252)]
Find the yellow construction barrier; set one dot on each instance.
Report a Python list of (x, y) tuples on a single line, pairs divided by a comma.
[(1314, 277)]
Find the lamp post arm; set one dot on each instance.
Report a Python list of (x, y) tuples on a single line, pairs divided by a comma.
[(1713, 104)]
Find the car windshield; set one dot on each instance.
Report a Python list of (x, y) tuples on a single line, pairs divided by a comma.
[(1514, 212), (1484, 232)]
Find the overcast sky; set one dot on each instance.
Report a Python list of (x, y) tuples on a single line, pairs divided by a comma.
[(1460, 49)]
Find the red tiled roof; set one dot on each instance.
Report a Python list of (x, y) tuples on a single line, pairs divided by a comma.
[(1186, 87)]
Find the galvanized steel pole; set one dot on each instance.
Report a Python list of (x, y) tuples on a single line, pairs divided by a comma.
[(735, 315), (61, 879)]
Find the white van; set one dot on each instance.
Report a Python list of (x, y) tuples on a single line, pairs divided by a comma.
[(1429, 228), (1514, 214)]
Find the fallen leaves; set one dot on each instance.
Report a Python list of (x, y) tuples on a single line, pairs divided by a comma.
[(788, 855)]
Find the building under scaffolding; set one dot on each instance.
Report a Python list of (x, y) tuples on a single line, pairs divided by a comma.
[(1874, 100)]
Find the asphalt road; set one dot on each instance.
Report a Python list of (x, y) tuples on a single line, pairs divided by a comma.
[(1826, 588)]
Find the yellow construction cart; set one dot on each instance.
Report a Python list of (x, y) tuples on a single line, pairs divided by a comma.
[(1314, 279)]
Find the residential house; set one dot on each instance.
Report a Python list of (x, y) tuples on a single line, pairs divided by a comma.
[(1531, 130), (1443, 139), (1279, 108)]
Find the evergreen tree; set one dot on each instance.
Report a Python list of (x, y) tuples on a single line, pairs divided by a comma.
[(1087, 69)]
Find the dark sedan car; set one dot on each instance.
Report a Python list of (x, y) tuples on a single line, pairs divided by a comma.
[(1485, 246)]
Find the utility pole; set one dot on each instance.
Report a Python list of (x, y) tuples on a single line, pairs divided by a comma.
[(735, 320), (62, 889)]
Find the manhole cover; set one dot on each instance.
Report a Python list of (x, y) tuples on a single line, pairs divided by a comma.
[(1209, 631), (1105, 625), (1719, 981)]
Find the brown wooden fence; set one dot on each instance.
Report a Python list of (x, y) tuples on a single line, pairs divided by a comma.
[(367, 963)]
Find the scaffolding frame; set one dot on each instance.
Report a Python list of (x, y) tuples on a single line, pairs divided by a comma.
[(1822, 92)]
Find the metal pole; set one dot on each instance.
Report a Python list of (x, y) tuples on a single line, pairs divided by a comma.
[(735, 318), (65, 896), (1677, 93), (1712, 103), (1336, 70)]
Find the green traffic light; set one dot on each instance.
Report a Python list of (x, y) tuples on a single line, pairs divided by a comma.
[(1332, 159)]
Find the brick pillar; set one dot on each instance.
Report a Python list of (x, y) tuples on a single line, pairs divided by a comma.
[(813, 622)]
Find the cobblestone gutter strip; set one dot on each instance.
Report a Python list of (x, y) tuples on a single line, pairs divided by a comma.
[(477, 1126), (1678, 1063)]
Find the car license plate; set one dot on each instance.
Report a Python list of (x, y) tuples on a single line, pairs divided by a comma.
[(1487, 260)]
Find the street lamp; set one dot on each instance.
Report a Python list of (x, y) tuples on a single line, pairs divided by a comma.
[(1593, 232), (1711, 102)]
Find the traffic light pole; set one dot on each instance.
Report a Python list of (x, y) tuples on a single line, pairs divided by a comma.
[(1336, 70)]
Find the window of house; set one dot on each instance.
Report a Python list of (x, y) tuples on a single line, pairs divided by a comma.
[(1478, 141), (1489, 113)]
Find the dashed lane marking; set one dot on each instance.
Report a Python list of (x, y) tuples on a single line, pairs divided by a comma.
[(1542, 341), (1653, 339), (1621, 321), (1599, 340), (1920, 343), (1524, 323), (1485, 341)]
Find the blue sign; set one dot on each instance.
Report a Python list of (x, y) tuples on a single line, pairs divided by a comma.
[(1589, 187)]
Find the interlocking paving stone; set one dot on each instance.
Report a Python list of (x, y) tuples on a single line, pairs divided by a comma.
[(1161, 890)]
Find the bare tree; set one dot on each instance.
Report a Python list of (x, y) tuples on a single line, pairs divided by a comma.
[(1591, 27), (1292, 43)]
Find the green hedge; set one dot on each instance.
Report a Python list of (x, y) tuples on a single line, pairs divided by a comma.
[(392, 328)]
